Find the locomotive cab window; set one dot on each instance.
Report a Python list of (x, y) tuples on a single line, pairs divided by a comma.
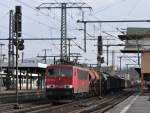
[(60, 71), (50, 71)]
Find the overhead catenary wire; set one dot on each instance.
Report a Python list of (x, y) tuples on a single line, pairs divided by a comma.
[(34, 21), (131, 10), (113, 4), (39, 22), (3, 16), (31, 7), (34, 0), (46, 24), (104, 10), (137, 2), (34, 8)]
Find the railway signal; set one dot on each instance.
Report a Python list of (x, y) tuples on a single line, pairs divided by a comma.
[(18, 21), (19, 46), (100, 45)]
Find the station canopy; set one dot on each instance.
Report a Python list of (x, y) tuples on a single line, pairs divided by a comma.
[(136, 40)]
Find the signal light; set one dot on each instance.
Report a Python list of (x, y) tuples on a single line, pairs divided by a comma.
[(100, 45), (18, 21), (22, 41), (102, 59), (21, 44), (98, 58), (18, 9), (15, 42), (21, 47)]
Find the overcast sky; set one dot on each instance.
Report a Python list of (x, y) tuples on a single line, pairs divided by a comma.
[(46, 23)]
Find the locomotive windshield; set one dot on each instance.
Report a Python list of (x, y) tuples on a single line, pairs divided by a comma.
[(62, 71)]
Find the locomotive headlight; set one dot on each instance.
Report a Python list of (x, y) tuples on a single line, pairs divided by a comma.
[(50, 86), (68, 86)]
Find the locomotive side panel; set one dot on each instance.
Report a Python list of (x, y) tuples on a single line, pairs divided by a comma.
[(75, 87), (82, 81)]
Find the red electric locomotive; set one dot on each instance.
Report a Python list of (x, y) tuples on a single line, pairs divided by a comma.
[(65, 82)]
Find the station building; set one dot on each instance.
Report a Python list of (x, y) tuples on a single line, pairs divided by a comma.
[(137, 40)]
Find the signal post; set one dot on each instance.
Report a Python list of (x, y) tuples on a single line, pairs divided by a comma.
[(19, 43)]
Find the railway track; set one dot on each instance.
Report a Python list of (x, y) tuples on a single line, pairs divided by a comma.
[(9, 107), (102, 107), (90, 105), (24, 96), (46, 108), (4, 107), (111, 104)]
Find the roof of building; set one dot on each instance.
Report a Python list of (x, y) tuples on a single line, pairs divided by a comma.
[(27, 65), (131, 37), (135, 33), (138, 31), (131, 51), (30, 63)]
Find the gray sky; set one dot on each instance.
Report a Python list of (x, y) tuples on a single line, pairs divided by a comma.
[(46, 23)]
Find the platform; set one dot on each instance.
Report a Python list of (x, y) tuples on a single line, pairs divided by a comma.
[(133, 104), (5, 92), (24, 95)]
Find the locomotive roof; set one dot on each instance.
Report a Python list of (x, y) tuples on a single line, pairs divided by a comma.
[(66, 65), (59, 65)]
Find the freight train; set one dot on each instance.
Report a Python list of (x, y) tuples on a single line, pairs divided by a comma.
[(67, 82)]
